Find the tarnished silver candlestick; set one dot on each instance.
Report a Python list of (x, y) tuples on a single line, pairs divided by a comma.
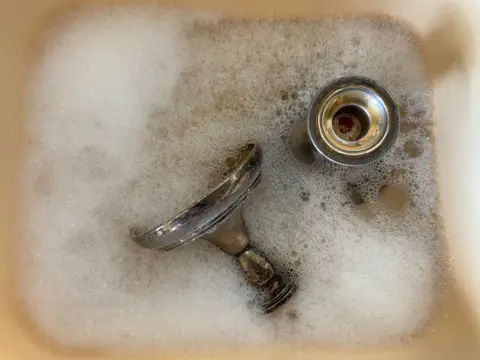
[(352, 121), (217, 218)]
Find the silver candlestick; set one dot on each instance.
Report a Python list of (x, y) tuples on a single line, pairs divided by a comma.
[(352, 121), (217, 218)]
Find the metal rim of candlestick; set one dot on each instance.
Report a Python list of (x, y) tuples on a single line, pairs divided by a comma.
[(371, 113), (212, 208)]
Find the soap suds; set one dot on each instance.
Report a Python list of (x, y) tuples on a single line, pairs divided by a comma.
[(133, 110)]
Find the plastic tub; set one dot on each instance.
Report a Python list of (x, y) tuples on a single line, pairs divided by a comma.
[(450, 32)]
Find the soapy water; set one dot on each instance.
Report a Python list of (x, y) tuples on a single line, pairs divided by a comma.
[(132, 112)]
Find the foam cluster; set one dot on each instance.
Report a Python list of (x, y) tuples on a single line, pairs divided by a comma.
[(132, 110)]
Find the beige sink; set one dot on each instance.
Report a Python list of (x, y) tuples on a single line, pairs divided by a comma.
[(450, 32)]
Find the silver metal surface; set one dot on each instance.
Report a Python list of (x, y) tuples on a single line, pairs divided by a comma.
[(217, 218), (212, 208), (352, 121), (300, 143)]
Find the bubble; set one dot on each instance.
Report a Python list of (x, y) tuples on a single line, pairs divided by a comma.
[(412, 149), (394, 196), (406, 127)]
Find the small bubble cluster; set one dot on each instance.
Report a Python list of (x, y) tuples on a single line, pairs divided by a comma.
[(134, 111)]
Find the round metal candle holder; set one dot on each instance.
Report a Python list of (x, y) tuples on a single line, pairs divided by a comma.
[(217, 218), (352, 121)]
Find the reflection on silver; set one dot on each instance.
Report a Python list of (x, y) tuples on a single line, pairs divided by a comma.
[(217, 217), (302, 148), (352, 121)]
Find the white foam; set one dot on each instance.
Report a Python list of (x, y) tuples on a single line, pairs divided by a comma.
[(129, 105)]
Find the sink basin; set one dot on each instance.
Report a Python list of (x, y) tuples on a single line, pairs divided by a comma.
[(450, 37)]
